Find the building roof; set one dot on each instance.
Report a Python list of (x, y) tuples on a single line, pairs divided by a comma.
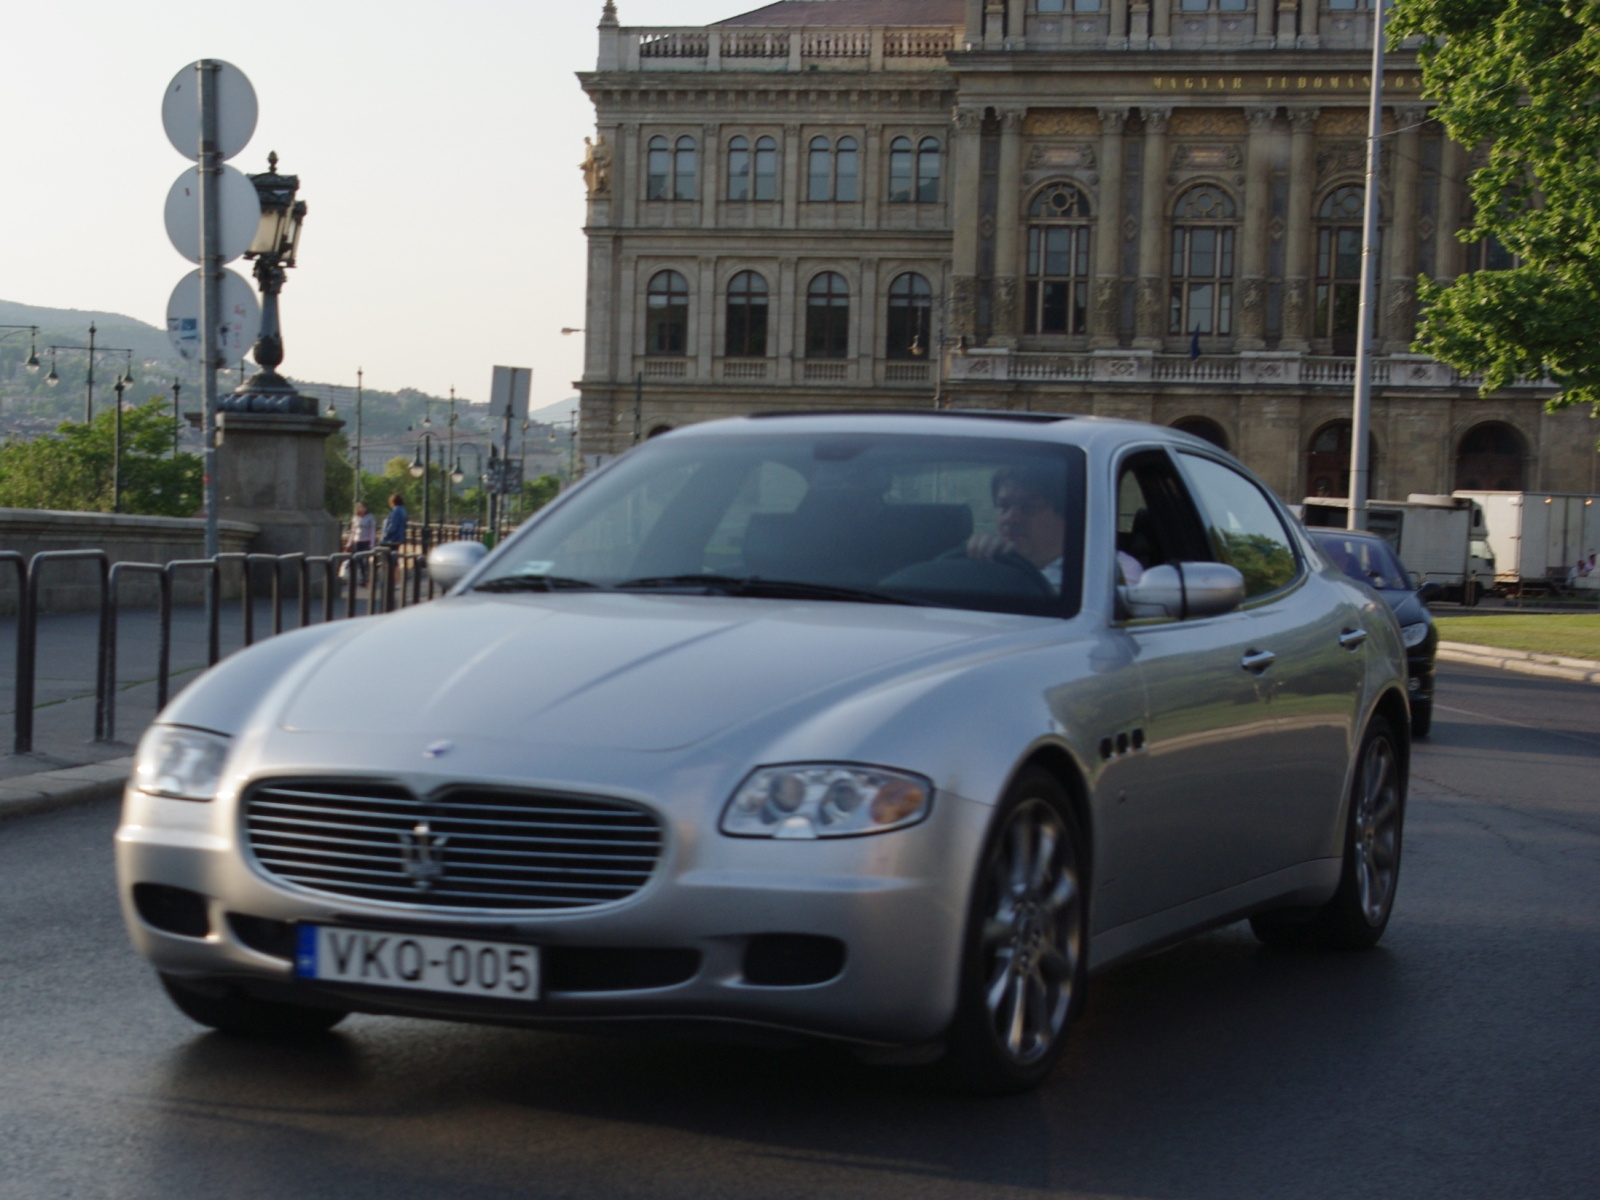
[(795, 13)]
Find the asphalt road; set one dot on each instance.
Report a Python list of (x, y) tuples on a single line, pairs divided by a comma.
[(1460, 1059)]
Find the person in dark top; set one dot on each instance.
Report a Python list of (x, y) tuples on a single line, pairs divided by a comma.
[(394, 525)]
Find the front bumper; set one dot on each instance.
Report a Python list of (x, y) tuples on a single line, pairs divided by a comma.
[(897, 902)]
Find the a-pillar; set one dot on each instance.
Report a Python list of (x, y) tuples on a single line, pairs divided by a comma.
[(1400, 292), (1006, 321), (964, 217), (1297, 309), (1108, 231), (1152, 308), (1252, 302), (1449, 255)]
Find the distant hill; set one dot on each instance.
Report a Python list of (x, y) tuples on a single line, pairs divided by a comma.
[(72, 325)]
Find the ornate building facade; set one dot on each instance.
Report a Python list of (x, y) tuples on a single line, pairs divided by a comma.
[(1139, 208)]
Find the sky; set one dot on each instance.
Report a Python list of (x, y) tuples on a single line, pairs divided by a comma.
[(437, 146)]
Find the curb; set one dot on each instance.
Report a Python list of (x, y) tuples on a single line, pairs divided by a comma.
[(47, 791), (1551, 666)]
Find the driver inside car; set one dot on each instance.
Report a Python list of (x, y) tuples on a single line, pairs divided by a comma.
[(1030, 513)]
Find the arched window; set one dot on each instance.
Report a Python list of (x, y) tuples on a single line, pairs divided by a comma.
[(910, 317), (1339, 266), (1328, 461), (684, 170), (828, 317), (847, 172), (747, 316), (1203, 232), (766, 181), (902, 178), (819, 176), (739, 169), (667, 315), (1205, 429), (928, 171), (1058, 261), (1492, 457), (660, 171)]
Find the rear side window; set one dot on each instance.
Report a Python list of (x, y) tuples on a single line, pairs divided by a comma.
[(1244, 528)]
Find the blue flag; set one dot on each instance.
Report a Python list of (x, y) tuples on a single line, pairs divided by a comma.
[(1194, 343)]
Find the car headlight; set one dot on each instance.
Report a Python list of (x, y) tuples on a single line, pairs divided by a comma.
[(184, 764), (1414, 635), (823, 800)]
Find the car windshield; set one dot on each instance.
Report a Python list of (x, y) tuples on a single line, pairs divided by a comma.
[(959, 522), (1368, 559)]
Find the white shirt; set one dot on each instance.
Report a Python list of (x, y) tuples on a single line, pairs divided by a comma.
[(363, 529)]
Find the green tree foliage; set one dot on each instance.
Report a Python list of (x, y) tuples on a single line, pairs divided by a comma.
[(1521, 76), (72, 471)]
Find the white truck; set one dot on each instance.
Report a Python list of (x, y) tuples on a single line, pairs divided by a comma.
[(1540, 537), (1440, 539)]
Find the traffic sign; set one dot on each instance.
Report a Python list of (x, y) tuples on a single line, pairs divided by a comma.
[(508, 397), (237, 329), (236, 111), (504, 476), (238, 214)]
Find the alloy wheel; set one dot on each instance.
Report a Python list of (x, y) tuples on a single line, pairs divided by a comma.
[(1032, 932), (1377, 830)]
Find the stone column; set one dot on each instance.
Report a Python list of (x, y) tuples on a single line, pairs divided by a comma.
[(1265, 17), (1288, 13), (710, 174), (864, 316), (965, 161), (1449, 255), (791, 183), (1152, 306), (1297, 248), (705, 343), (1006, 320), (1309, 10), (1139, 25), (1017, 24), (1400, 293), (1117, 33), (1251, 302), (994, 25), (629, 171), (786, 320), (873, 169), (1161, 24), (1108, 231)]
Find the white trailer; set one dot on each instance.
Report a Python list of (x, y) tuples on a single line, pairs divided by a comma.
[(1538, 537), (1440, 539)]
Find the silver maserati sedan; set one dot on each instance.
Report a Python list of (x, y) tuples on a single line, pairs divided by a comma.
[(886, 728)]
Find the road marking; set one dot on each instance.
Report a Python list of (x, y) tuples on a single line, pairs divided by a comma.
[(1575, 737)]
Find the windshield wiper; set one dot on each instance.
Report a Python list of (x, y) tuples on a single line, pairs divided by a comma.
[(536, 583), (769, 589)]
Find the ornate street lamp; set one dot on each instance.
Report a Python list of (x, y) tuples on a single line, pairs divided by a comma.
[(32, 363), (276, 245)]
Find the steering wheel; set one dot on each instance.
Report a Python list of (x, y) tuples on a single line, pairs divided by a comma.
[(1009, 560)]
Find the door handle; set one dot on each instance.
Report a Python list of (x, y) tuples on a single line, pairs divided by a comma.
[(1351, 639), (1258, 661)]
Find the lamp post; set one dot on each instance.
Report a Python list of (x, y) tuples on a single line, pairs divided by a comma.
[(32, 361), (177, 423), (455, 467), (116, 451), (276, 244), (422, 468), (88, 404)]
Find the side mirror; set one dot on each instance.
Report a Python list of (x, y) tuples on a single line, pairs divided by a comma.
[(1429, 592), (1182, 590), (450, 563)]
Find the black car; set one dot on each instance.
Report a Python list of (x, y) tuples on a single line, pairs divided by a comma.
[(1370, 559)]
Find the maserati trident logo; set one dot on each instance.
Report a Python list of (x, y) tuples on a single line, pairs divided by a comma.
[(422, 856)]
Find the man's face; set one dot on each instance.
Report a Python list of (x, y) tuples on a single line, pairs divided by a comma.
[(1035, 530)]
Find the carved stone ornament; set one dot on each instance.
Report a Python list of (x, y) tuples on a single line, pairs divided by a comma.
[(1107, 306), (596, 166), (963, 306), (1151, 307), (1296, 306), (1003, 314), (1155, 119), (1304, 120), (1011, 119), (1260, 119), (1082, 157), (1112, 120), (967, 120), (1062, 122), (1208, 122), (1349, 122), (1206, 158), (1341, 158)]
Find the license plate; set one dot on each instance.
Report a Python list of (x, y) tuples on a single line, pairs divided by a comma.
[(418, 962)]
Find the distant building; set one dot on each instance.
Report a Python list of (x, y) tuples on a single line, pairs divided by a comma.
[(1046, 204)]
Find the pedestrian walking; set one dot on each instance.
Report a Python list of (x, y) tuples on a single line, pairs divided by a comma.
[(363, 532), (394, 525)]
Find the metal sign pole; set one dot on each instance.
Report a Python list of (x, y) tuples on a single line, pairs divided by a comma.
[(210, 290), (1361, 424)]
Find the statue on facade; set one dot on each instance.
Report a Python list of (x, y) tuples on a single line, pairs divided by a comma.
[(596, 166)]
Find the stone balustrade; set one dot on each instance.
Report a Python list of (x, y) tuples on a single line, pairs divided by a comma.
[(762, 48)]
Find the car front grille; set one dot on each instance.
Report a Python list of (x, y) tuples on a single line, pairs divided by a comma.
[(463, 847)]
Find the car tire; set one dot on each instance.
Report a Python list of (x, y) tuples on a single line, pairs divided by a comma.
[(228, 1010), (1024, 964), (1358, 914), (1422, 718)]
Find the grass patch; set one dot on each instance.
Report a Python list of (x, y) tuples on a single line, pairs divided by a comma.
[(1573, 635)]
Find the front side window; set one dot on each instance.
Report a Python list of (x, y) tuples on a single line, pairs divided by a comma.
[(1202, 263), (828, 317), (667, 316), (894, 518), (910, 317), (747, 316), (1245, 530), (1058, 261)]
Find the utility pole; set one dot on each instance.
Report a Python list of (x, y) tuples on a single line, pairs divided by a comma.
[(450, 464), (355, 489), (88, 403), (210, 291), (177, 419), (1360, 425)]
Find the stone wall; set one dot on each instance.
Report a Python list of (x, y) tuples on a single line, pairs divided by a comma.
[(72, 586)]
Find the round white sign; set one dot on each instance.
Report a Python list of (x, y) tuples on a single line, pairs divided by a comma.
[(238, 214), (236, 110), (240, 310)]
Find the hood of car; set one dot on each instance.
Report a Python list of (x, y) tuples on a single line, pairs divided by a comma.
[(629, 672), (1407, 608)]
